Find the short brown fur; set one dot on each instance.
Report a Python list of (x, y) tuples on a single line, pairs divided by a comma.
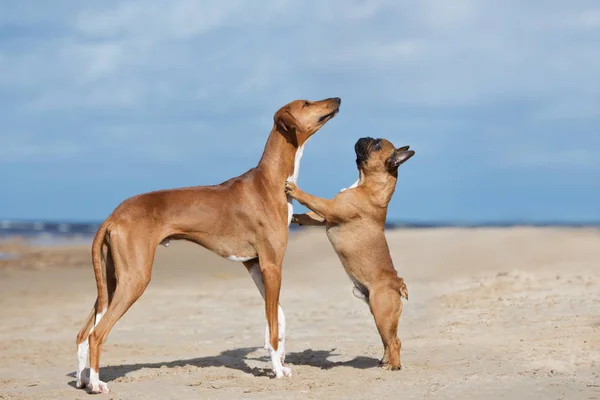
[(245, 217), (355, 220)]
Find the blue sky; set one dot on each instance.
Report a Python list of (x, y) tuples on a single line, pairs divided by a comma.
[(101, 100)]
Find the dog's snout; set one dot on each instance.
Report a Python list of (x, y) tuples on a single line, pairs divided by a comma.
[(361, 148), (337, 100)]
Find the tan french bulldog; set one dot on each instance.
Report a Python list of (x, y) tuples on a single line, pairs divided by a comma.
[(355, 220)]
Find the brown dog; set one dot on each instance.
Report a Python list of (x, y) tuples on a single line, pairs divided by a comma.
[(355, 221), (244, 219)]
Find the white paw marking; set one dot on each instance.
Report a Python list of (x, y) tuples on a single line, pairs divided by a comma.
[(278, 368), (280, 336), (96, 385), (81, 378), (256, 275)]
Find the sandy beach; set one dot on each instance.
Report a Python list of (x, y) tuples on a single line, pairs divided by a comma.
[(498, 313)]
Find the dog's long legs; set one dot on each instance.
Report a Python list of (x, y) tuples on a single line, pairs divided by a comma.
[(310, 218), (133, 270), (82, 379), (270, 268), (83, 350), (253, 268), (386, 308)]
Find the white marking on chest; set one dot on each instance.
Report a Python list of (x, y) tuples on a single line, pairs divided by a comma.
[(294, 178), (290, 212), (240, 259), (355, 184), (297, 158)]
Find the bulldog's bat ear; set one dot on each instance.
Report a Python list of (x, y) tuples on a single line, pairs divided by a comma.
[(400, 156), (285, 121)]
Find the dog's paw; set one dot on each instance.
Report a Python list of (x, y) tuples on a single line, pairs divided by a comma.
[(290, 187), (287, 371), (81, 384), (284, 372), (295, 219), (98, 387), (282, 357), (390, 367), (83, 380), (403, 289)]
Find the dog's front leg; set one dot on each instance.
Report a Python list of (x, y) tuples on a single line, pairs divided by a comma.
[(253, 268), (270, 270), (310, 218), (322, 207)]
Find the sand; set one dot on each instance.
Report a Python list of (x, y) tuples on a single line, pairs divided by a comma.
[(493, 314)]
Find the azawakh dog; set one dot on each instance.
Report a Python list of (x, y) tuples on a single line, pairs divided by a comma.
[(355, 220), (244, 219)]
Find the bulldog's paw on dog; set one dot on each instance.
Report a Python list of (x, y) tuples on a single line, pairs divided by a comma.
[(402, 289), (290, 187)]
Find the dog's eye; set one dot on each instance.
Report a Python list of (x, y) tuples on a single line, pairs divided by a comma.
[(306, 104), (377, 145)]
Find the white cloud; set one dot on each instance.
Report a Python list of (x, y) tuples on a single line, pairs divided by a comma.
[(444, 15), (24, 148), (553, 159), (154, 59), (178, 19), (589, 19), (368, 56), (487, 92), (569, 108), (97, 60), (432, 52)]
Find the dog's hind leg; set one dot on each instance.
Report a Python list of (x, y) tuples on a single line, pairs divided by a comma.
[(253, 268), (133, 265), (109, 284), (386, 307), (81, 379)]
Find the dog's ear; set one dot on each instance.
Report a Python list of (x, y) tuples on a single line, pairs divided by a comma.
[(400, 156), (285, 121)]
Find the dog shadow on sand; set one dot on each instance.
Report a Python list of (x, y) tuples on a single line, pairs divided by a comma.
[(236, 359)]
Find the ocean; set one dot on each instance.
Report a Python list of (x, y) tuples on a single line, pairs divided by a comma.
[(65, 230), (56, 233)]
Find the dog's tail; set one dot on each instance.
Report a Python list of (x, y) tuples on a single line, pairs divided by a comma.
[(400, 287), (98, 260)]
